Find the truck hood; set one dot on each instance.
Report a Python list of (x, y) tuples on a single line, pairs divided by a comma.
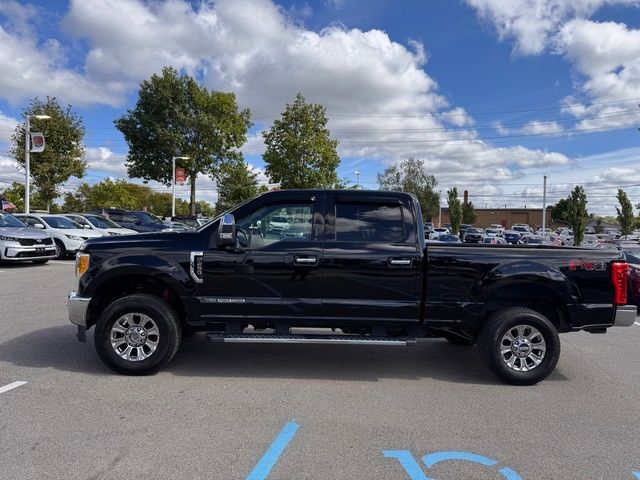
[(141, 240), (23, 232)]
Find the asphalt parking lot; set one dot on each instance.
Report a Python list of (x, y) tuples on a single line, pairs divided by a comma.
[(225, 411)]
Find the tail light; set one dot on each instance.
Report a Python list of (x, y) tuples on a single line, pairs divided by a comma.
[(619, 275)]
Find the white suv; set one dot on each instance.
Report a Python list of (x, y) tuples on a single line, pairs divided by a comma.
[(67, 234)]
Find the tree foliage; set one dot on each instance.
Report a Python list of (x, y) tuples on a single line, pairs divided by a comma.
[(237, 184), (577, 214), (174, 116), (560, 210), (455, 209), (122, 194), (410, 176), (625, 213), (468, 213), (300, 152), (15, 194), (63, 156)]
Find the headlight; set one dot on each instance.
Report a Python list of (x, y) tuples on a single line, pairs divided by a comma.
[(74, 237), (8, 239), (82, 263)]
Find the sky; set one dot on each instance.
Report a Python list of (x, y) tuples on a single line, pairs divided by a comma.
[(490, 94)]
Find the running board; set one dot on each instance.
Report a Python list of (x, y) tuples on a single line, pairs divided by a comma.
[(317, 339)]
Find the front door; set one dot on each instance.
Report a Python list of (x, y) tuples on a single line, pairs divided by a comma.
[(272, 275), (371, 261)]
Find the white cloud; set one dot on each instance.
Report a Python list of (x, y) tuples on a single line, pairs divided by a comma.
[(532, 23), (7, 127), (105, 160), (534, 127)]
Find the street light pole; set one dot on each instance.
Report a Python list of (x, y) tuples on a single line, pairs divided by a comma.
[(173, 184), (357, 180), (27, 166), (544, 205)]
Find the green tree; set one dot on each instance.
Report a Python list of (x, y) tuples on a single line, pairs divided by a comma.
[(560, 210), (638, 217), (455, 209), (63, 156), (468, 213), (410, 176), (300, 152), (15, 194), (237, 184), (577, 214), (174, 116), (599, 227), (625, 213)]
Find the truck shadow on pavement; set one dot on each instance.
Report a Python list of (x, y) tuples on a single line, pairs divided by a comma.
[(57, 347)]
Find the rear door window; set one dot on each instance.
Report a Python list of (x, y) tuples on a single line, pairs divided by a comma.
[(360, 222)]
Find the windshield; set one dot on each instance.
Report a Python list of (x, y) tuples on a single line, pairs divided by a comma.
[(61, 222), (7, 220), (150, 218), (100, 222)]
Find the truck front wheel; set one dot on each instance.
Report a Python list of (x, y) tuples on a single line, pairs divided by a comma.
[(519, 345), (137, 334)]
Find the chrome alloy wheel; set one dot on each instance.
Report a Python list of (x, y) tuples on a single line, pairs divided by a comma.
[(134, 337), (522, 348)]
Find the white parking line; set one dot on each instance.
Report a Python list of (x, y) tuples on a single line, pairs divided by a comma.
[(11, 386)]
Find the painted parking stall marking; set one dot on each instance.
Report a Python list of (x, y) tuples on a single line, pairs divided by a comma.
[(11, 386), (271, 456)]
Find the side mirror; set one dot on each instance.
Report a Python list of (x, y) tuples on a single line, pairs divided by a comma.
[(38, 225), (227, 231)]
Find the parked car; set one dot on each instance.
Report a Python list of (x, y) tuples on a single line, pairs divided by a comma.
[(554, 240), (437, 232), (20, 243), (193, 222), (67, 234), (473, 235), (494, 241), (589, 241), (512, 236), (534, 240), (141, 222), (497, 226), (363, 271), (448, 238), (493, 232), (428, 227), (632, 255), (521, 228), (103, 226)]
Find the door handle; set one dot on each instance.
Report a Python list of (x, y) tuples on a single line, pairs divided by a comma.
[(309, 261), (400, 262)]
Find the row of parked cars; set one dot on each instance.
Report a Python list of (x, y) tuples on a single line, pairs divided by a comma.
[(39, 237), (522, 234)]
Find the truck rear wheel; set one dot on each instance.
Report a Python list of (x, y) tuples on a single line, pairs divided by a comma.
[(137, 334), (519, 345)]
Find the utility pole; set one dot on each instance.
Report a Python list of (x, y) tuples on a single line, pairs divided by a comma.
[(439, 209), (544, 204)]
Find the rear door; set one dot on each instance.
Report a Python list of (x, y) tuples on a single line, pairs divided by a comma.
[(371, 261)]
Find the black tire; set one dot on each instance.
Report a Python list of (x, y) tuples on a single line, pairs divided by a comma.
[(164, 316), (493, 333), (41, 262), (61, 251)]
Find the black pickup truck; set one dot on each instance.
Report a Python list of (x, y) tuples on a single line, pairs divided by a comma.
[(291, 264)]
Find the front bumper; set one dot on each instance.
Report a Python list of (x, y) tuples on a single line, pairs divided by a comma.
[(20, 253), (625, 315), (78, 307)]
